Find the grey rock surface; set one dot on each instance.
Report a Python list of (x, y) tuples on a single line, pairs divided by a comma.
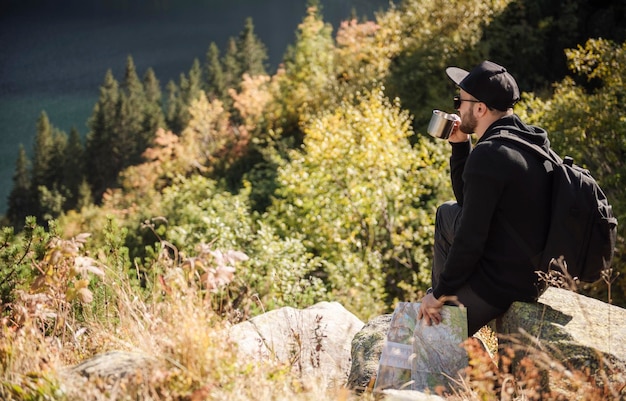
[(316, 341), (581, 332)]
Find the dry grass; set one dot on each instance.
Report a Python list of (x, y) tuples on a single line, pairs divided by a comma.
[(187, 357), (177, 332)]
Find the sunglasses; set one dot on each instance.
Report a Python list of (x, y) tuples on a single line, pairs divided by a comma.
[(457, 101)]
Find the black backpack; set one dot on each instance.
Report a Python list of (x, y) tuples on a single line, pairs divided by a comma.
[(583, 229)]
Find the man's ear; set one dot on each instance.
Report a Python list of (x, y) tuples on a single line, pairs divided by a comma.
[(481, 109)]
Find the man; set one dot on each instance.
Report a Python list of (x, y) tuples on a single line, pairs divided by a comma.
[(502, 197)]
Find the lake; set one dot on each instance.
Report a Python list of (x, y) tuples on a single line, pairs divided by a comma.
[(54, 54)]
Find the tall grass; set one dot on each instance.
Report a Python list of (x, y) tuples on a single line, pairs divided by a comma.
[(175, 345), (176, 338)]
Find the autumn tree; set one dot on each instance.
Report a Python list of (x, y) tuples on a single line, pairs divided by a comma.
[(305, 83), (363, 199), (429, 36)]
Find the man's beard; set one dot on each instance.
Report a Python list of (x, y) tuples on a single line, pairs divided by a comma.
[(469, 122)]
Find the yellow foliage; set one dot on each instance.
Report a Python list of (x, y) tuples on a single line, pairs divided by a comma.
[(252, 99)]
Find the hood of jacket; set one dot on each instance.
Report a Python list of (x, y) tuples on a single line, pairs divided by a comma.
[(515, 125)]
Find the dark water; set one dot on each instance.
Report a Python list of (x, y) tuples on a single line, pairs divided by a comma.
[(54, 53)]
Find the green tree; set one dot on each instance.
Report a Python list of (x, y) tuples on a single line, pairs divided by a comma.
[(43, 152), (123, 124), (360, 197), (306, 83), (252, 53), (215, 81), (231, 66), (432, 36), (153, 118), (100, 165), (73, 162), (180, 97), (20, 202), (128, 134), (47, 174), (174, 105), (52, 194), (542, 30)]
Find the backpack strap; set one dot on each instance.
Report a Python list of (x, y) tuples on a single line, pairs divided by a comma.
[(508, 136)]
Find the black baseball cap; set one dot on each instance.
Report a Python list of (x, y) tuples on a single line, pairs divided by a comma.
[(488, 82)]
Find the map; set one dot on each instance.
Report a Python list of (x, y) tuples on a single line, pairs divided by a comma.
[(419, 357)]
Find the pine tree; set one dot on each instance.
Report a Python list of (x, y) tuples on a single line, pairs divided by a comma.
[(58, 157), (231, 66), (43, 151), (252, 53), (73, 168), (21, 196), (84, 196), (181, 96), (131, 105), (191, 91), (215, 87), (309, 81), (101, 173), (174, 105), (47, 175), (153, 112)]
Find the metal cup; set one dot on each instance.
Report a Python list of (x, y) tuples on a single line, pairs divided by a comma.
[(441, 124)]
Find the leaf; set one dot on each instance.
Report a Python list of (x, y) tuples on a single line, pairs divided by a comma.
[(80, 284), (236, 256), (85, 264), (224, 275), (82, 238), (70, 294), (84, 295)]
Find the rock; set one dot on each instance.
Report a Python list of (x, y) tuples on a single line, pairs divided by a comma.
[(367, 346), (409, 395), (578, 331), (114, 365), (119, 374), (315, 341)]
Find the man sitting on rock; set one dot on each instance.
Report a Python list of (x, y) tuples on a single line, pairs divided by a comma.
[(476, 258)]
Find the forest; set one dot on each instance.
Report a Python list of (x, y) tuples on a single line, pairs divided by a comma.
[(253, 190)]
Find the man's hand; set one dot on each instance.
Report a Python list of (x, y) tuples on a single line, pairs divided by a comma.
[(457, 135), (430, 310)]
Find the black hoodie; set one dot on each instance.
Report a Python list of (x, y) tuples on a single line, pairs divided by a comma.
[(497, 181)]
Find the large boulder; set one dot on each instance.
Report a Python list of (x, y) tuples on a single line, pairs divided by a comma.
[(580, 332), (315, 341), (119, 374), (367, 346), (576, 331)]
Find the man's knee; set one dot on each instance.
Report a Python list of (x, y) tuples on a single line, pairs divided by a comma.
[(447, 212)]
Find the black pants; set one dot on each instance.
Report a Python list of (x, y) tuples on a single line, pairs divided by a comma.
[(479, 312)]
